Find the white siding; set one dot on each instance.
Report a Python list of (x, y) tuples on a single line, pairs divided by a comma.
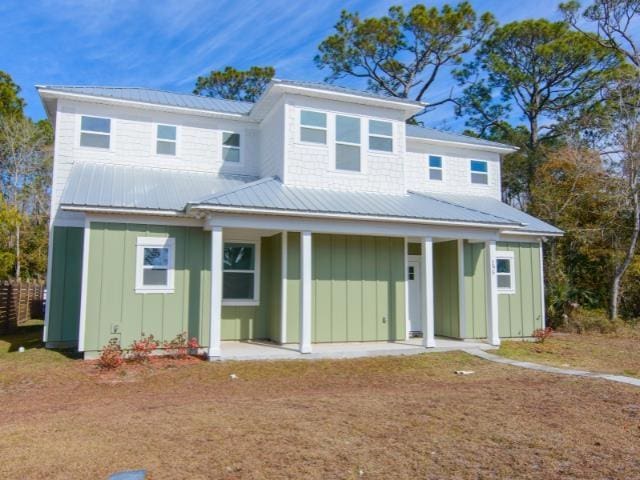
[(272, 143)]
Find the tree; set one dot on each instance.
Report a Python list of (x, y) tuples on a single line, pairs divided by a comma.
[(401, 54), (232, 84), (10, 101)]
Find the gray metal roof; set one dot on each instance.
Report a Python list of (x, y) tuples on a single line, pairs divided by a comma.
[(158, 97), (427, 133), (128, 186), (271, 194)]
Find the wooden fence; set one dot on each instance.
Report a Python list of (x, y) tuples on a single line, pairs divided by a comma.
[(19, 303)]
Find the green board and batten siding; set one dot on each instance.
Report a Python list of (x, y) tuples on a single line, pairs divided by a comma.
[(475, 291), (445, 284)]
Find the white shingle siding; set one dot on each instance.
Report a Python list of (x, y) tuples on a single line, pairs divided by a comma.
[(272, 143)]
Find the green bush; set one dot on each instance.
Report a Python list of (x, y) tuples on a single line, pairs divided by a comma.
[(595, 320)]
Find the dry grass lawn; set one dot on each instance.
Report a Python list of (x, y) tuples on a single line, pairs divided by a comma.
[(395, 417), (612, 353)]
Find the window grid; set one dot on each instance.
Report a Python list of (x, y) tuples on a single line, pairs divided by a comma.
[(253, 271), (313, 127), (505, 272), (95, 132), (435, 167), (479, 172), (380, 136), (231, 147), (166, 139), (342, 163)]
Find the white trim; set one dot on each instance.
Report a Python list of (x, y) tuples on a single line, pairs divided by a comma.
[(45, 330), (335, 142), (507, 255), (516, 234), (154, 145), (440, 169), (240, 148), (462, 307), (428, 312), (139, 211), (300, 126), (240, 302), (542, 287), (283, 289), (215, 319), (471, 172), (493, 317), (80, 131), (305, 292), (379, 135), (145, 219), (486, 148), (85, 282), (406, 289), (155, 242)]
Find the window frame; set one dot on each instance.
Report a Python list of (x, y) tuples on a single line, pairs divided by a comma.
[(471, 172), (239, 302), (325, 129), (337, 142), (240, 148), (440, 169), (176, 141), (510, 257), (109, 135), (379, 135), (155, 242)]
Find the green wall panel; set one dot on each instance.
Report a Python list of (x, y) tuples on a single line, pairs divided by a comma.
[(475, 290), (293, 287), (446, 302), (66, 284)]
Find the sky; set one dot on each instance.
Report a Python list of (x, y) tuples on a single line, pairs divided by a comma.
[(166, 44)]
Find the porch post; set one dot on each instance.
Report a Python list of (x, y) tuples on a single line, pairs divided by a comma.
[(493, 331), (305, 292), (216, 292), (428, 324)]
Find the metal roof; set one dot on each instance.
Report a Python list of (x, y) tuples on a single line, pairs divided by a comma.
[(132, 187), (271, 194), (158, 97), (427, 133)]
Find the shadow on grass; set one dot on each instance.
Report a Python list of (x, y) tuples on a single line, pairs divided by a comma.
[(30, 337)]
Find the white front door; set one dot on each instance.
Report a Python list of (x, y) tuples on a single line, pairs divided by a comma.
[(415, 296)]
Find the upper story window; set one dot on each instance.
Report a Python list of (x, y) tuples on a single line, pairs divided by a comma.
[(95, 132), (155, 265), (313, 127), (347, 143), (435, 167), (479, 172), (380, 136), (166, 139), (240, 275), (231, 147), (505, 272)]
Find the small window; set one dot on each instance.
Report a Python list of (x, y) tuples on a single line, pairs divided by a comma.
[(380, 136), (166, 138), (412, 273), (435, 167), (347, 143), (240, 280), (231, 147), (505, 272), (479, 172), (155, 265), (95, 132), (313, 127)]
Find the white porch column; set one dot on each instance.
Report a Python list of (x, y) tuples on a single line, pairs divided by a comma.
[(216, 292), (428, 323), (493, 331), (305, 292)]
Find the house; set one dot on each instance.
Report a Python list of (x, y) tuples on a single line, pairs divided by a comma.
[(314, 215)]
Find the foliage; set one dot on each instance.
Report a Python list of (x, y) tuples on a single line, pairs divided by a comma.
[(593, 320), (111, 356), (180, 346), (140, 350), (232, 84), (11, 104), (541, 334), (402, 53)]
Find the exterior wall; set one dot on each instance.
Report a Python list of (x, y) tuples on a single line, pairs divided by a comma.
[(521, 313), (456, 172), (475, 291), (293, 287), (272, 143), (313, 165), (63, 301), (446, 301)]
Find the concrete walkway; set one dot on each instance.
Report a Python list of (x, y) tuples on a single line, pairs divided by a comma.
[(560, 371)]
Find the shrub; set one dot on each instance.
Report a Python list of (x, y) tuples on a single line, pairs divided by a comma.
[(180, 347), (193, 346), (111, 355), (541, 334), (585, 320), (140, 350)]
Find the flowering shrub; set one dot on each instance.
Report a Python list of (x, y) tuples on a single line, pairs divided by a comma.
[(193, 345), (140, 350), (180, 347), (541, 334), (111, 355)]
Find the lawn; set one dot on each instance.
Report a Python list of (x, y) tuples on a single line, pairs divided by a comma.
[(395, 417), (611, 353)]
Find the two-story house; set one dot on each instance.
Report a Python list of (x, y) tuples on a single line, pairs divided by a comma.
[(314, 215)]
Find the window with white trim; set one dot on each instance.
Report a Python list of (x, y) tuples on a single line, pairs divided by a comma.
[(435, 167), (380, 136), (313, 127), (155, 265), (479, 172), (166, 139), (95, 132), (231, 147), (240, 273), (505, 272), (347, 143)]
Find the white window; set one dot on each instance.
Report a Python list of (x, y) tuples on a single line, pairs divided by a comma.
[(240, 273), (313, 127), (155, 265), (505, 272), (479, 172), (231, 147), (380, 136), (95, 132), (347, 143), (435, 167), (166, 139)]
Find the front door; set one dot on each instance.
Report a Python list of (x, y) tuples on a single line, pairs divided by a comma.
[(415, 303)]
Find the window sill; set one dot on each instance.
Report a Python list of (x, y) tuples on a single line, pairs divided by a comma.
[(311, 144), (506, 292), (240, 303), (155, 290)]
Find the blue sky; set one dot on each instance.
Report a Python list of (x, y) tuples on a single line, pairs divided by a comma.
[(167, 44)]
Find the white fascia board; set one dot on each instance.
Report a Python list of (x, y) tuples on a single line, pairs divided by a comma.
[(164, 213), (472, 146), (530, 234), (144, 219), (47, 93)]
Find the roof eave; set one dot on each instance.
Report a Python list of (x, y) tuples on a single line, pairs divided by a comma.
[(476, 146)]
